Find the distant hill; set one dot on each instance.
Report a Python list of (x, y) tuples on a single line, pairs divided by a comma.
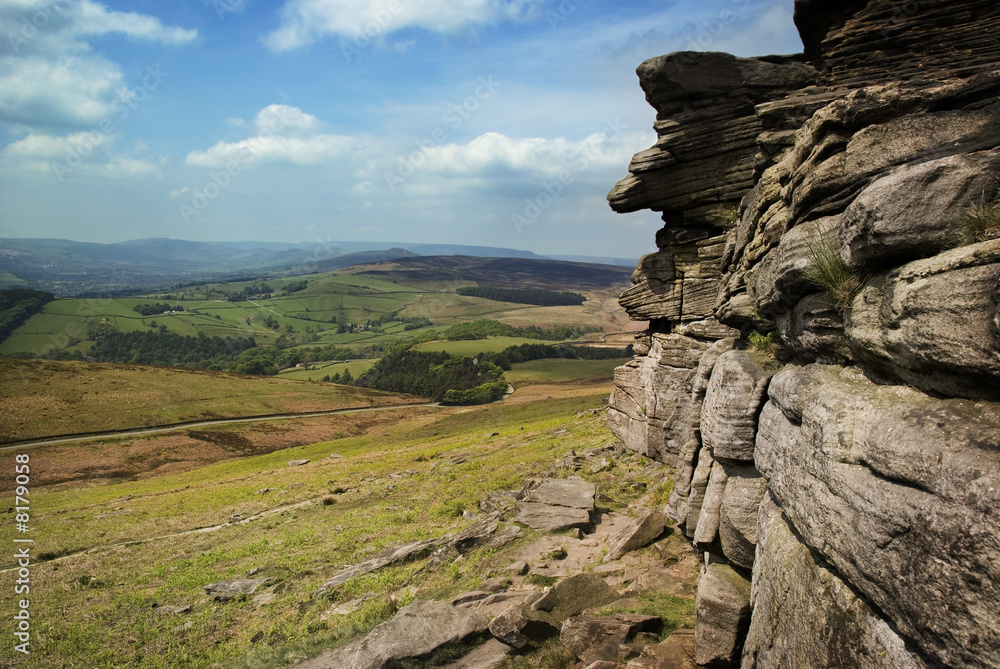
[(74, 268), (502, 272)]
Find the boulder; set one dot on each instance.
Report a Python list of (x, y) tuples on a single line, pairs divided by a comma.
[(571, 596), (640, 532), (934, 323), (416, 631), (572, 492), (898, 492), (917, 210), (596, 638), (516, 628), (390, 556), (804, 615), (224, 591), (485, 656), (675, 652), (723, 610), (547, 518), (736, 392)]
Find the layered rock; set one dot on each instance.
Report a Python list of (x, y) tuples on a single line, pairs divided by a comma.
[(854, 472)]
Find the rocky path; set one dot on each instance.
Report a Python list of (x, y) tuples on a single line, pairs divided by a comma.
[(583, 581)]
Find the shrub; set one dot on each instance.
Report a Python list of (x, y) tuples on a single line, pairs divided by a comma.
[(982, 222), (832, 275), (764, 344)]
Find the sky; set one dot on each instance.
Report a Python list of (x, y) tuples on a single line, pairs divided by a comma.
[(480, 122)]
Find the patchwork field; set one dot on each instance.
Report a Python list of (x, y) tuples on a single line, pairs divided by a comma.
[(316, 314)]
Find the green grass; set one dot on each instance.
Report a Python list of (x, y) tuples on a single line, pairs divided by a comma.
[(8, 280), (110, 621), (321, 369), (471, 347), (676, 612), (562, 370), (832, 275), (765, 344)]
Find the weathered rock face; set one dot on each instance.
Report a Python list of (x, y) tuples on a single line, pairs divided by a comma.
[(865, 509), (901, 499), (650, 409), (806, 616)]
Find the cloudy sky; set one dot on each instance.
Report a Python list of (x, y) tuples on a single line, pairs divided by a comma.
[(488, 122)]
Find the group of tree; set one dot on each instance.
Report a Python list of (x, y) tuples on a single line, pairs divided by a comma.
[(536, 296), (295, 287), (483, 328), (428, 373), (526, 352), (169, 349), (157, 308), (17, 305), (483, 394)]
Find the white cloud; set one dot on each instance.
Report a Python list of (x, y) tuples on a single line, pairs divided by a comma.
[(92, 18), (49, 77), (285, 120), (284, 134), (70, 91), (78, 154), (496, 162), (305, 21), (179, 191)]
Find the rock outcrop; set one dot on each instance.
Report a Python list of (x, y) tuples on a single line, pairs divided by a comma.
[(841, 481)]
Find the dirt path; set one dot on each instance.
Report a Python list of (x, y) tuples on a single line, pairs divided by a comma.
[(46, 441)]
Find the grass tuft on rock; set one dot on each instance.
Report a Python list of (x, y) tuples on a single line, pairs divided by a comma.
[(982, 222), (832, 275)]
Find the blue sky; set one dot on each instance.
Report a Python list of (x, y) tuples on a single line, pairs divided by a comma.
[(485, 122)]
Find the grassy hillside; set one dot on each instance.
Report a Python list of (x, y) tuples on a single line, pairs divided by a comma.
[(117, 550), (48, 397)]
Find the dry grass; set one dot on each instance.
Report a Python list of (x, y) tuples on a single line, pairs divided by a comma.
[(48, 398), (982, 222)]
